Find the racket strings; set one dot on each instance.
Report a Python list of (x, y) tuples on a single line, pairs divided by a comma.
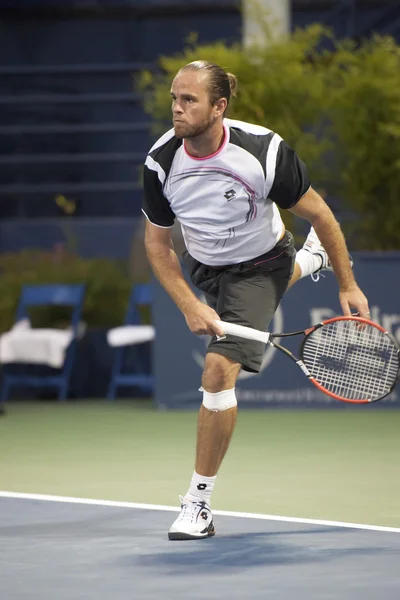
[(334, 376), (369, 375), (351, 360)]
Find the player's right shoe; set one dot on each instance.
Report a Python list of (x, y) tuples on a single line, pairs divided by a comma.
[(195, 521), (314, 246)]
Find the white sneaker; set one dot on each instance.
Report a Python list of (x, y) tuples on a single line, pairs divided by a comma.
[(314, 246), (195, 521)]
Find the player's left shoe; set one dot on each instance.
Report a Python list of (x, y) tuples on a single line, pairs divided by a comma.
[(195, 521), (314, 246)]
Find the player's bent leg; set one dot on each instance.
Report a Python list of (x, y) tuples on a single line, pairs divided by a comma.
[(311, 259), (216, 422)]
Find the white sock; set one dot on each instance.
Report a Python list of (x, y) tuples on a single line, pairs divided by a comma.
[(309, 263), (201, 488)]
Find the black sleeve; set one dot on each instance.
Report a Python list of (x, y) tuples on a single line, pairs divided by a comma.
[(291, 178), (155, 205)]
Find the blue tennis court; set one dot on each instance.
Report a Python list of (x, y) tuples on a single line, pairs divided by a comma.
[(56, 549)]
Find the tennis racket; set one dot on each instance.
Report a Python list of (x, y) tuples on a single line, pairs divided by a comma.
[(349, 358)]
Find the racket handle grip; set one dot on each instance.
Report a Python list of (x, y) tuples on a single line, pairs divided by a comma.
[(244, 332)]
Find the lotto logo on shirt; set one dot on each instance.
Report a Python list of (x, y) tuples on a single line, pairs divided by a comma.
[(230, 194)]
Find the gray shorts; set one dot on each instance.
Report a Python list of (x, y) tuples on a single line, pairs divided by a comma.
[(246, 293)]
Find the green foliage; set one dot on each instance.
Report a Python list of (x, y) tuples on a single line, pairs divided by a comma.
[(107, 290), (365, 124), (339, 109)]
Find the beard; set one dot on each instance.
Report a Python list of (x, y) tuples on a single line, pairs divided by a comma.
[(185, 130)]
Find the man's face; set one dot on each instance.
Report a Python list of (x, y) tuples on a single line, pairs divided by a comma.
[(192, 113)]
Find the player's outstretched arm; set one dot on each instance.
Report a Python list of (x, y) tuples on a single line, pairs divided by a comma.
[(164, 261), (313, 208)]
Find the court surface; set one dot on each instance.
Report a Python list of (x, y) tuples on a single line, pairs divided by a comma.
[(306, 474), (61, 550)]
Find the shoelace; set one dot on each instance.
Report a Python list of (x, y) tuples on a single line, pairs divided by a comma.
[(190, 510), (315, 276)]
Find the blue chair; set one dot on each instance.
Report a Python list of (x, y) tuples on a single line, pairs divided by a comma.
[(141, 295), (45, 295)]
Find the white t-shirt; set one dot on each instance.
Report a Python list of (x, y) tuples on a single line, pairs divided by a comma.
[(226, 202)]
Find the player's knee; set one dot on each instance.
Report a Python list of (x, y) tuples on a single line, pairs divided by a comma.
[(219, 401), (220, 373), (218, 382)]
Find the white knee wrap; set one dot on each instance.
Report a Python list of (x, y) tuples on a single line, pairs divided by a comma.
[(219, 401)]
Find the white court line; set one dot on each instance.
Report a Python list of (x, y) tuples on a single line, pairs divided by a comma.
[(223, 513)]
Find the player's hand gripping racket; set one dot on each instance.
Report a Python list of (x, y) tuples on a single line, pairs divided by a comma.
[(349, 358)]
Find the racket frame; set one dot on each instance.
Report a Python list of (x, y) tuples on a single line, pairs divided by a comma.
[(360, 320), (269, 338)]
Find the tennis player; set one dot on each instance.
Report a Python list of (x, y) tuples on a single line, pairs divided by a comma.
[(224, 181)]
